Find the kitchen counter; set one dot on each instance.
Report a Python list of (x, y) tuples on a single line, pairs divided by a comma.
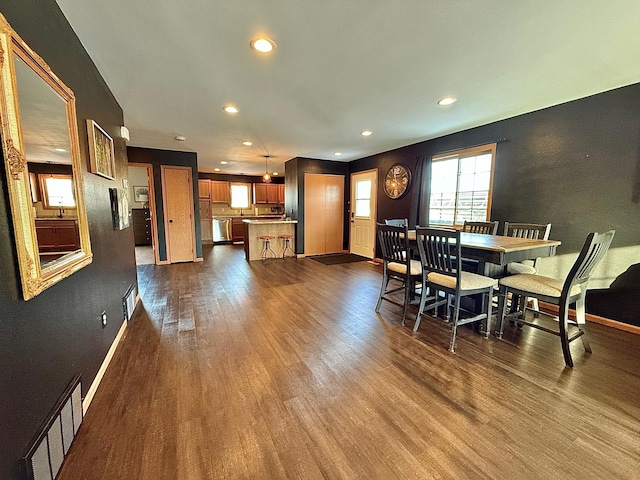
[(253, 228)]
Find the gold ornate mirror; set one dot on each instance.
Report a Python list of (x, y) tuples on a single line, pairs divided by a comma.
[(42, 163)]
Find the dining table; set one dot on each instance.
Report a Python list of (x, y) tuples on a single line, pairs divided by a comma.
[(497, 250)]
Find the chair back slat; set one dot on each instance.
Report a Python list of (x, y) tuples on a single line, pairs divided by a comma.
[(394, 243), (533, 231), (487, 228), (593, 251), (439, 250)]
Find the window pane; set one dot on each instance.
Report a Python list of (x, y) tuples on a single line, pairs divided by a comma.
[(59, 192), (483, 163), (363, 208), (239, 196), (363, 189)]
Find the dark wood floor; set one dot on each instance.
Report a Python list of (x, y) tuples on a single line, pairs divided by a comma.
[(283, 370)]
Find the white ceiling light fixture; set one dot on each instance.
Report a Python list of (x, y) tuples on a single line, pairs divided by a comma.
[(337, 154), (180, 138), (275, 173), (231, 109), (216, 169), (223, 162), (61, 150), (447, 101), (366, 133), (263, 45), (247, 143)]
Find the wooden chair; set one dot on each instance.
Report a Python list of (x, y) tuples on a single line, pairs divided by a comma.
[(488, 228), (397, 264), (441, 266), (525, 230), (557, 292), (398, 222)]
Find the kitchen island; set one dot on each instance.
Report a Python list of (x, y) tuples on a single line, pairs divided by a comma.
[(275, 227)]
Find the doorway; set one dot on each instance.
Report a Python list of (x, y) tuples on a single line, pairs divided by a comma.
[(179, 224), (362, 239), (323, 213), (143, 213)]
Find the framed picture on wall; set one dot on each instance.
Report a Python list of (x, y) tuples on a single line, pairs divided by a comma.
[(101, 151), (141, 194)]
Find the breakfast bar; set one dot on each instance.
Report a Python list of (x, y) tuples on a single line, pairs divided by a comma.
[(253, 229)]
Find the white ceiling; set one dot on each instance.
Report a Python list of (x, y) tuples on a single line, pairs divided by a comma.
[(343, 66)]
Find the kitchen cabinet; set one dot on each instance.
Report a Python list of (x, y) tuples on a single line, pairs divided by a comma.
[(206, 227), (57, 235), (237, 229), (268, 193), (220, 192), (141, 220), (204, 188)]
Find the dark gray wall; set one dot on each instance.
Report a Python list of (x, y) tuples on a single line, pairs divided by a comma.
[(575, 165), (45, 341), (157, 158)]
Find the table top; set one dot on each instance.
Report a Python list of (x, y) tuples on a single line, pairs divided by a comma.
[(498, 243)]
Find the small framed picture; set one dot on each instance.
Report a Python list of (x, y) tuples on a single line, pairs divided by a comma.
[(141, 194), (101, 151)]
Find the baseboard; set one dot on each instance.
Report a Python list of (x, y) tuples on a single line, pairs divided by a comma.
[(103, 368), (548, 307)]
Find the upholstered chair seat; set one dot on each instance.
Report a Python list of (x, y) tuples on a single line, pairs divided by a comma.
[(468, 281), (415, 267), (538, 285)]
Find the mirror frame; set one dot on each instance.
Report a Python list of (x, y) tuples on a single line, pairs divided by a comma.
[(34, 277)]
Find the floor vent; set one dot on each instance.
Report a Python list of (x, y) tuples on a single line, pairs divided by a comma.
[(129, 302), (50, 446)]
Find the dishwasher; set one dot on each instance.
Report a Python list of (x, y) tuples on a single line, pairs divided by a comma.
[(221, 230)]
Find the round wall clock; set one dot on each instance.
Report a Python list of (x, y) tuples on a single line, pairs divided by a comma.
[(397, 181)]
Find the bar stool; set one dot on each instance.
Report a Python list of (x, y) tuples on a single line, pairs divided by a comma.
[(287, 246), (266, 251)]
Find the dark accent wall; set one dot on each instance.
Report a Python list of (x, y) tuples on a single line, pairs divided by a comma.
[(574, 165), (294, 171), (47, 340), (157, 158)]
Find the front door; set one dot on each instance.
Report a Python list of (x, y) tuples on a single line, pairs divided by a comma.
[(363, 213), (177, 194)]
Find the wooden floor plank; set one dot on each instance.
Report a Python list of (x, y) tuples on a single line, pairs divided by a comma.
[(282, 369)]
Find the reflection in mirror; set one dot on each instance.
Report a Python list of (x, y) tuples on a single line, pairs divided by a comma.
[(42, 161)]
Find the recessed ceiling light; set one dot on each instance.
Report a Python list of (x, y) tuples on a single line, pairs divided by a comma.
[(216, 169), (180, 138), (247, 143), (366, 133), (447, 101), (231, 109), (60, 149), (262, 45), (337, 154), (275, 173), (223, 162)]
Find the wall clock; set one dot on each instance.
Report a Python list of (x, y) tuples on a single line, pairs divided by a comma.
[(397, 181)]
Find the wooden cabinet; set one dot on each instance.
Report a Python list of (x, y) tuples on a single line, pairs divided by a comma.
[(206, 227), (237, 230), (57, 235), (204, 188), (141, 219), (271, 193), (220, 192)]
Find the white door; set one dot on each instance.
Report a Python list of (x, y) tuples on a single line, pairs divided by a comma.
[(363, 213)]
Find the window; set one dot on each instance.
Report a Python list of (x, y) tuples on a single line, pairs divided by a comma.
[(57, 191), (461, 185), (363, 199), (239, 195)]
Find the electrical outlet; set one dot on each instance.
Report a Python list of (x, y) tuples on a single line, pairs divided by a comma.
[(103, 316)]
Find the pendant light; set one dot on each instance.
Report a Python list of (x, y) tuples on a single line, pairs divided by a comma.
[(266, 178)]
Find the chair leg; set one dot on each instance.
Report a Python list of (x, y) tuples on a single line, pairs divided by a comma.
[(487, 321), (454, 325), (502, 308), (408, 286), (564, 339), (383, 288), (423, 300)]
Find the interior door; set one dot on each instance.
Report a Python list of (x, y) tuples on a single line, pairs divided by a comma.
[(323, 213), (363, 213), (177, 194)]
